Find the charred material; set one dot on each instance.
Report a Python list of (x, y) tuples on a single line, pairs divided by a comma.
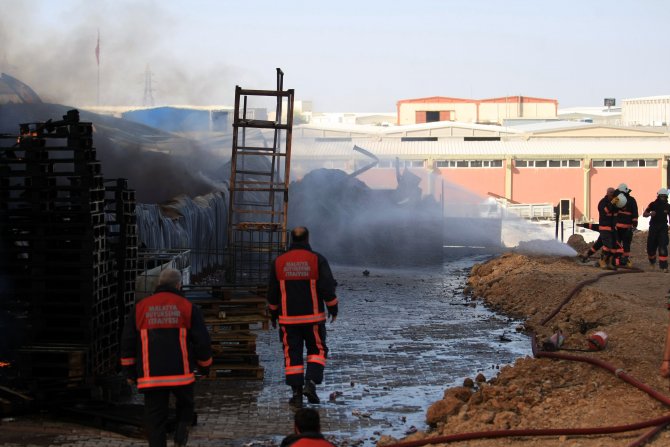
[(353, 224)]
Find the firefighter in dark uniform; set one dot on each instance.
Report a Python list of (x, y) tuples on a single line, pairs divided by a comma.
[(597, 245), (301, 290), (164, 335), (607, 215), (626, 223), (657, 239)]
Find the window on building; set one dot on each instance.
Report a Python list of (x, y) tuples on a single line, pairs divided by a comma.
[(481, 138), (432, 117), (418, 138), (547, 163), (391, 163), (468, 163), (641, 163), (634, 163)]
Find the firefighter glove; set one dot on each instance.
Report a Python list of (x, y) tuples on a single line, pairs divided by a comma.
[(274, 316), (131, 373), (203, 371)]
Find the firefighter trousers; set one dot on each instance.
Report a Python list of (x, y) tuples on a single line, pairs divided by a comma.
[(295, 338), (657, 239), (156, 408)]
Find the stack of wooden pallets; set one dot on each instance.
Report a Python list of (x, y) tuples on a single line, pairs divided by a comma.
[(231, 315)]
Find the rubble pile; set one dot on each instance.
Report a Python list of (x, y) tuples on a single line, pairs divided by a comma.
[(353, 224)]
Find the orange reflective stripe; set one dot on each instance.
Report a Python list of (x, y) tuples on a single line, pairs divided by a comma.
[(284, 341), (319, 358), (302, 319), (621, 225), (652, 257), (662, 258), (315, 296), (207, 362), (160, 381), (145, 352), (604, 228), (273, 306), (184, 350), (128, 361), (331, 302), (294, 369), (316, 359), (282, 287)]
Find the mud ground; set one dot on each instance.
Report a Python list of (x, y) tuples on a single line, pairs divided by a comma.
[(549, 393), (401, 338)]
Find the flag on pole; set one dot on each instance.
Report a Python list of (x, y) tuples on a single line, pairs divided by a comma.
[(97, 50)]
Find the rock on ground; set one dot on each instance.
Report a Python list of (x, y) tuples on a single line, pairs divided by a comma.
[(549, 393)]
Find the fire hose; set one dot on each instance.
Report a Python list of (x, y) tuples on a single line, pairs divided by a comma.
[(657, 424)]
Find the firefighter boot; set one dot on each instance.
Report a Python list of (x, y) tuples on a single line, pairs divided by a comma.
[(181, 434), (613, 263), (296, 399), (602, 263), (310, 392)]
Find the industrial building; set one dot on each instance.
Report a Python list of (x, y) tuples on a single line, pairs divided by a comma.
[(482, 111), (571, 163)]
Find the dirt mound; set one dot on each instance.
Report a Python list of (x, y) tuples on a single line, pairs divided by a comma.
[(550, 393)]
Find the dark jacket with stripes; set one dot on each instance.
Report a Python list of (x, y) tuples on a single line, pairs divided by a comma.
[(164, 336), (628, 215), (301, 287), (607, 214)]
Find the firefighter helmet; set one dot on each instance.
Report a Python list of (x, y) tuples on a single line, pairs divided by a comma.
[(623, 188), (662, 192), (620, 200)]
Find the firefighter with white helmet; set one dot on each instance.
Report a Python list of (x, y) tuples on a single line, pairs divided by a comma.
[(626, 224), (657, 239), (608, 208)]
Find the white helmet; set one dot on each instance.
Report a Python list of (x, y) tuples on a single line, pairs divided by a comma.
[(662, 192), (621, 200), (623, 188)]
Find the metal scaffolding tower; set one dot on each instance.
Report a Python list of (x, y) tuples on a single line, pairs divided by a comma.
[(259, 180)]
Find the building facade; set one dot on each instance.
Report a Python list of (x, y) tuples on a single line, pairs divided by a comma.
[(482, 111), (473, 163)]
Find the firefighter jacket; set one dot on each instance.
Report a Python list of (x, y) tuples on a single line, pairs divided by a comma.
[(627, 216), (607, 214), (307, 439), (164, 335), (301, 287), (662, 208)]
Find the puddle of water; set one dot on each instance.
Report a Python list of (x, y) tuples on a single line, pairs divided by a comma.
[(402, 337)]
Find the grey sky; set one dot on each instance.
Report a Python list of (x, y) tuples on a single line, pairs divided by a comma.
[(344, 55)]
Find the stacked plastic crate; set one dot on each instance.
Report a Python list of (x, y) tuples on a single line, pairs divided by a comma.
[(61, 272)]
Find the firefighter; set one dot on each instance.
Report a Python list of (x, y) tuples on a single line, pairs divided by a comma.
[(657, 239), (608, 208), (597, 245), (162, 335), (307, 430), (301, 290), (626, 223)]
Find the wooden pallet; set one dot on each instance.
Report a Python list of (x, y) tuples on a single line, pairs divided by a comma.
[(236, 372)]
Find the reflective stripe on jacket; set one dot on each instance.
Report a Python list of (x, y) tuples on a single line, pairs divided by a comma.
[(161, 336), (301, 287)]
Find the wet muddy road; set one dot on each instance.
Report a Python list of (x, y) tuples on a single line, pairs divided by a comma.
[(401, 338)]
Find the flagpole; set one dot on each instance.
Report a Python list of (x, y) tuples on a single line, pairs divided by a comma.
[(97, 59)]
